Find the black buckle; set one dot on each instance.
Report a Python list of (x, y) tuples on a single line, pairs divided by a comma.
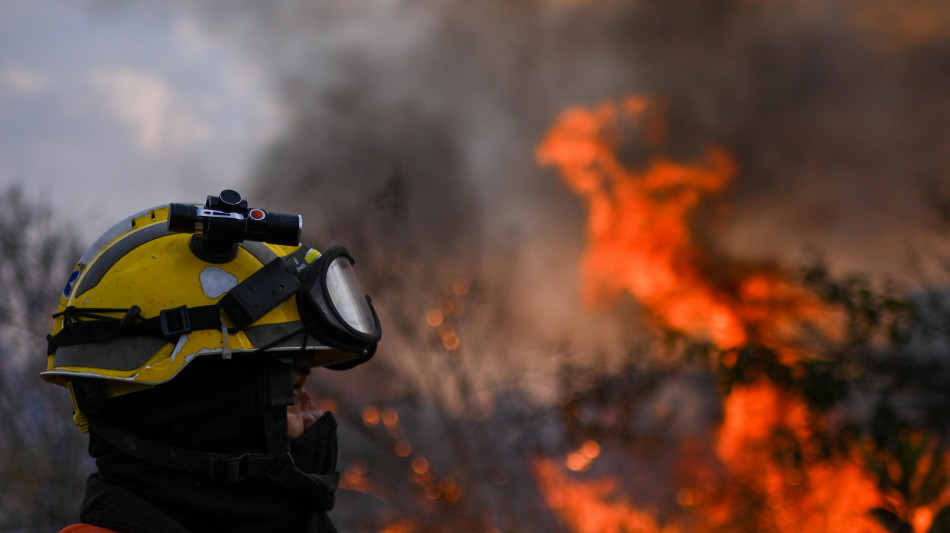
[(230, 470), (237, 469), (175, 322)]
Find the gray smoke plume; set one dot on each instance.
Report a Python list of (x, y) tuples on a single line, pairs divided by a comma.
[(412, 127), (835, 111), (411, 135)]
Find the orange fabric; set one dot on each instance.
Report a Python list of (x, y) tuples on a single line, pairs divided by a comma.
[(86, 528)]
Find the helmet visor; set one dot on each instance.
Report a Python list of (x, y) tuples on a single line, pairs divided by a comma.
[(347, 297), (334, 307)]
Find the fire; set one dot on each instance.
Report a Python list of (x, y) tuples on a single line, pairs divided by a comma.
[(803, 497), (639, 233), (581, 459), (591, 507), (641, 242)]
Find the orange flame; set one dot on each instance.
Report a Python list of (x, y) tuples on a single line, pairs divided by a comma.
[(640, 238), (641, 242), (591, 507), (802, 498)]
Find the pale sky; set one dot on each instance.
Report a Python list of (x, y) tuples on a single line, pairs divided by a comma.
[(107, 110)]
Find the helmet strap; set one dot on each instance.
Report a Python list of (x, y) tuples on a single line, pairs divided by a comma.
[(279, 467), (278, 396)]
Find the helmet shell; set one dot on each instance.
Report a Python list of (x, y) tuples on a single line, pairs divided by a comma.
[(140, 262)]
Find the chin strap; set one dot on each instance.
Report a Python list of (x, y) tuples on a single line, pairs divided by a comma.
[(222, 468), (83, 326), (248, 301)]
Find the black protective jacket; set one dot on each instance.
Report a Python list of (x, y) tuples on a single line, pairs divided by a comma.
[(213, 406)]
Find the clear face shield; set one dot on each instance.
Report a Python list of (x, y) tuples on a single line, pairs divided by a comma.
[(333, 307), (334, 311)]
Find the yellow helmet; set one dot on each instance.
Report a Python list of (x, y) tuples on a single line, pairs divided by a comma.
[(145, 300)]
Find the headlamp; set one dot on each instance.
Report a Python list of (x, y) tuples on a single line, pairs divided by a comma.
[(333, 308), (226, 220), (333, 319)]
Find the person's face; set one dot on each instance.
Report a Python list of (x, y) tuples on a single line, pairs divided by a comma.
[(304, 411)]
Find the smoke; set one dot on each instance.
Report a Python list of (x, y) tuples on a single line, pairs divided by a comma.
[(836, 121), (835, 111), (411, 135), (412, 125)]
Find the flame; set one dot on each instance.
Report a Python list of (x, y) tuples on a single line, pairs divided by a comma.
[(639, 234), (591, 506), (641, 241), (805, 497)]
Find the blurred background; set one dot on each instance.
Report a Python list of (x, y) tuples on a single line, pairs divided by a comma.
[(641, 266)]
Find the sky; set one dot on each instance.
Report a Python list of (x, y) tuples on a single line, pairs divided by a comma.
[(108, 110)]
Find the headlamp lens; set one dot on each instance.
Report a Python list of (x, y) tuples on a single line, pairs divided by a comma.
[(347, 296)]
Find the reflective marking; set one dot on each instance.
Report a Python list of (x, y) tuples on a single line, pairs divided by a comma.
[(225, 343), (181, 344), (109, 257), (215, 282), (70, 282)]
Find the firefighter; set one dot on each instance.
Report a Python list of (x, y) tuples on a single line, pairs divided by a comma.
[(185, 335)]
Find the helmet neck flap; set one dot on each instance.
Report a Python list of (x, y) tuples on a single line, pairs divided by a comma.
[(209, 451)]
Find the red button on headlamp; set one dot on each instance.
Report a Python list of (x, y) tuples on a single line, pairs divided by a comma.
[(256, 214)]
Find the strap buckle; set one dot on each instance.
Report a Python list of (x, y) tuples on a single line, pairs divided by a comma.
[(231, 470), (237, 469), (175, 322)]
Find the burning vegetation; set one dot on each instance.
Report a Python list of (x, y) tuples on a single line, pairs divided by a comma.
[(775, 399), (788, 454)]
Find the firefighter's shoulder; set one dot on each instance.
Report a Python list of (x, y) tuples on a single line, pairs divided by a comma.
[(86, 528)]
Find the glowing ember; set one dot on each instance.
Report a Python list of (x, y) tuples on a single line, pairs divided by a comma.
[(580, 460), (370, 415), (354, 477)]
